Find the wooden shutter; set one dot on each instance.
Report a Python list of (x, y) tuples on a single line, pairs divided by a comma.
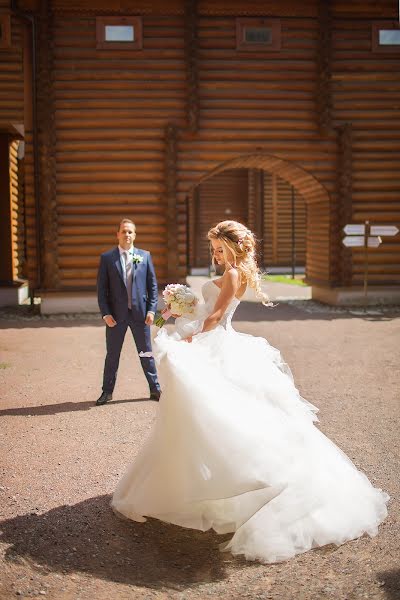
[(219, 198), (278, 223)]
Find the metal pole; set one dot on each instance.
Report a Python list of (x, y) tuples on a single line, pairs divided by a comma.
[(293, 236), (366, 235)]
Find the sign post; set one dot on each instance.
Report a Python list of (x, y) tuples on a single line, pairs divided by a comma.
[(366, 236)]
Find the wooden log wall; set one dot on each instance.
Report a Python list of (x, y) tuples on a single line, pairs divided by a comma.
[(366, 91), (277, 237), (11, 73), (219, 198), (258, 102), (111, 109)]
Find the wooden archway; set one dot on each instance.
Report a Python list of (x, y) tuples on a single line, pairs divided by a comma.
[(315, 195)]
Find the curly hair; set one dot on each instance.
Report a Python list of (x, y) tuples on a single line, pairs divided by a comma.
[(242, 244)]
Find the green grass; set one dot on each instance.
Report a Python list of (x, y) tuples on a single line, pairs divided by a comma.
[(299, 279), (4, 365)]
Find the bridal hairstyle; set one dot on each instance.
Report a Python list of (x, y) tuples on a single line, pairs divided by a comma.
[(242, 244)]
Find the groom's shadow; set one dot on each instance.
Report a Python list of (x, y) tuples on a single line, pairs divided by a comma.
[(87, 537), (53, 409)]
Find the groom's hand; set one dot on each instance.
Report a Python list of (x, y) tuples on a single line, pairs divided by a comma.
[(110, 321), (149, 318)]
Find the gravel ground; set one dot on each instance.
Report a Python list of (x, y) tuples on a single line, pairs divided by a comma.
[(61, 457)]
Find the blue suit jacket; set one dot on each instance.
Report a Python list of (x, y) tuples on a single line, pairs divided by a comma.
[(111, 290)]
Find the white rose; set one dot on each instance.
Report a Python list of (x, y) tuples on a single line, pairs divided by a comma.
[(175, 308)]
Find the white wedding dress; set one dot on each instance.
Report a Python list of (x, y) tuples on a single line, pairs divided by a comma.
[(234, 447)]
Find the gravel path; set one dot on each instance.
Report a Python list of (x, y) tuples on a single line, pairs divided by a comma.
[(61, 457)]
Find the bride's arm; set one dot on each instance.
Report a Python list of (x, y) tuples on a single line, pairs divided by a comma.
[(230, 285)]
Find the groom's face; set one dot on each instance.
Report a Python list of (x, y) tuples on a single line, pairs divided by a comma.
[(126, 235)]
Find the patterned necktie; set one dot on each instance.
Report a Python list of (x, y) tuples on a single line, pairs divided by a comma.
[(128, 276)]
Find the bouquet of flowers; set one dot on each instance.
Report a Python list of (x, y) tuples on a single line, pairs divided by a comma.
[(180, 300)]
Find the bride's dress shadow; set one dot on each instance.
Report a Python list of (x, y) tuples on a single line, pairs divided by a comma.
[(87, 537)]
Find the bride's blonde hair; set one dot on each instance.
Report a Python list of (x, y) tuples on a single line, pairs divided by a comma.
[(242, 244)]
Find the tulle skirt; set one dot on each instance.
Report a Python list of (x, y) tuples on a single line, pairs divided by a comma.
[(234, 447)]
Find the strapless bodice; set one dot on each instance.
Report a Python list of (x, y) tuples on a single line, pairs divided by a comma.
[(210, 294)]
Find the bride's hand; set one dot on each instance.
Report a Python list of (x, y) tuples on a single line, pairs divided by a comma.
[(172, 314)]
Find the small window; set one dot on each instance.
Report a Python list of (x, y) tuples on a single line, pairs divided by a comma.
[(386, 36), (5, 31), (258, 34), (389, 37), (119, 33)]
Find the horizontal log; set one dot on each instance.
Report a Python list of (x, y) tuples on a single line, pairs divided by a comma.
[(73, 146), (76, 72), (119, 126), (110, 188), (116, 176), (284, 84), (126, 106), (68, 161), (118, 86), (168, 55), (104, 135)]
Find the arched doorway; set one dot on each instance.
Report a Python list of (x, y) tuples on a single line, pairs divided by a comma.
[(306, 187)]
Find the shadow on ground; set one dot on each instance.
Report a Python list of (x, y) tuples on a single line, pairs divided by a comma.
[(391, 581), (304, 310), (88, 538), (294, 310), (53, 409)]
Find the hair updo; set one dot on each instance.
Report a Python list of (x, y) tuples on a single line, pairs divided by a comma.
[(242, 244)]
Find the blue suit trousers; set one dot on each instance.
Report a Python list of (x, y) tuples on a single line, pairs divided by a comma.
[(115, 338)]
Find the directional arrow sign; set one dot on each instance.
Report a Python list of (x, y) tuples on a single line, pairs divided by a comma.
[(357, 241), (354, 229), (383, 230), (374, 242)]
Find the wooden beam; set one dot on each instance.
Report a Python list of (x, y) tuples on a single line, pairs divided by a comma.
[(251, 198), (171, 156), (192, 99), (47, 148), (324, 70), (345, 201), (274, 227)]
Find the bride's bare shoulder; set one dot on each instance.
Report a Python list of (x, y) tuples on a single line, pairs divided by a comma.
[(232, 274), (230, 277)]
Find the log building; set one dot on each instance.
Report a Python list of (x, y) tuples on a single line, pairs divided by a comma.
[(282, 114)]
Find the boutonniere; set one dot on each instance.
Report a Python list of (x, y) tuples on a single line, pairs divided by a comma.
[(137, 259)]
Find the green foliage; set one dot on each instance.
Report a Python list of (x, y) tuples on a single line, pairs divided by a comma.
[(299, 279)]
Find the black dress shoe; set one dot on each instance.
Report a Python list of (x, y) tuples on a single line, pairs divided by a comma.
[(104, 398), (155, 395)]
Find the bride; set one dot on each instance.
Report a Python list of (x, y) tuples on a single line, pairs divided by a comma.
[(234, 446)]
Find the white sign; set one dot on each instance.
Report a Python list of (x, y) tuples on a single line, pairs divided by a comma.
[(354, 229), (374, 242), (384, 230), (357, 241)]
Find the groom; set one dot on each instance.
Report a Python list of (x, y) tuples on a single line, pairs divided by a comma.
[(127, 296)]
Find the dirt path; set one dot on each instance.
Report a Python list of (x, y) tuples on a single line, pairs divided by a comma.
[(61, 458)]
